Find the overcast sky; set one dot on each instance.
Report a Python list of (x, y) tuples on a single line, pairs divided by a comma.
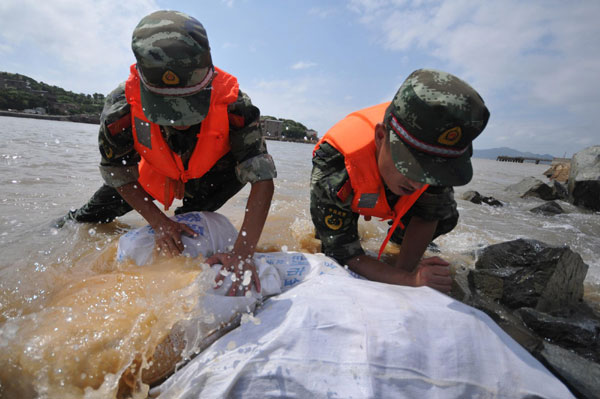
[(535, 63)]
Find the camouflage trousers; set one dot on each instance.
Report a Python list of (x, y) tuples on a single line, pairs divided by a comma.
[(207, 193)]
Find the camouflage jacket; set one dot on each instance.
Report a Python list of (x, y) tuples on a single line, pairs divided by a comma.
[(337, 225), (118, 165)]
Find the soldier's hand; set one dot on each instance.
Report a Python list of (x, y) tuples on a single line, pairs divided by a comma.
[(168, 236), (434, 272), (242, 270)]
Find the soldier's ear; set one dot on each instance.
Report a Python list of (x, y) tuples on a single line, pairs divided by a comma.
[(380, 135)]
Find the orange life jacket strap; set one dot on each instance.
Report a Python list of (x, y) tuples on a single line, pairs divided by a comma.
[(402, 206), (178, 188)]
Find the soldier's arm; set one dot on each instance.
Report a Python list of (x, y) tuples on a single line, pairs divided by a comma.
[(119, 160), (248, 145), (337, 227), (335, 223), (119, 169), (433, 214), (254, 166), (429, 215), (417, 237)]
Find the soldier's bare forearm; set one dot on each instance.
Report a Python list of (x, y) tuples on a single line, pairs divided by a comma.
[(417, 237), (375, 270), (142, 202), (257, 210)]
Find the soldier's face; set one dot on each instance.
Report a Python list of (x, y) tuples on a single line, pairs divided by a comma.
[(393, 179)]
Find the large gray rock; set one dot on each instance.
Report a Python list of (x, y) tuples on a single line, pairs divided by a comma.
[(581, 376), (533, 291), (560, 190), (549, 208), (476, 198), (584, 179), (572, 329), (529, 273), (533, 187)]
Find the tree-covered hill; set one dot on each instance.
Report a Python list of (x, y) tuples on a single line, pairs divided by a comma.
[(292, 130), (20, 92)]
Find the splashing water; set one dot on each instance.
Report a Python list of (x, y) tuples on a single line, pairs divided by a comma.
[(107, 335)]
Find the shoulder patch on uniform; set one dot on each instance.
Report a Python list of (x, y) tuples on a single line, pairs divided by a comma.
[(368, 200), (119, 125), (345, 191), (142, 130), (236, 120)]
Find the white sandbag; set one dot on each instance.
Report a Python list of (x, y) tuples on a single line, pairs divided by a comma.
[(323, 333), (215, 234), (277, 272), (337, 336)]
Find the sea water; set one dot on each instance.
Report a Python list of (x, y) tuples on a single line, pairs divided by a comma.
[(72, 319)]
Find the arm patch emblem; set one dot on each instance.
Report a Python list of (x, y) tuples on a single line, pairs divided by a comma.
[(335, 219)]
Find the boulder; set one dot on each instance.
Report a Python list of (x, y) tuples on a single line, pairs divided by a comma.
[(533, 291), (533, 187), (560, 190), (584, 179), (529, 273), (549, 208), (510, 323), (572, 329), (581, 376), (476, 198), (559, 172)]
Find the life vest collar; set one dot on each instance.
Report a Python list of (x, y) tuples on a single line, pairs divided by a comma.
[(162, 172)]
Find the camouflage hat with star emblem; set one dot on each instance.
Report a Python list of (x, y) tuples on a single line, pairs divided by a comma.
[(175, 68), (432, 121)]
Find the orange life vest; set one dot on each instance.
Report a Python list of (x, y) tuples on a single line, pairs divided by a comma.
[(354, 138), (162, 172)]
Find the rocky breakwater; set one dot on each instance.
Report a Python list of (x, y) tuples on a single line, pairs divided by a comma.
[(534, 291), (534, 187), (584, 179), (582, 185)]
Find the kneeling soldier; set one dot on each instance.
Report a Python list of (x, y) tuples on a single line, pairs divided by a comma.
[(398, 161)]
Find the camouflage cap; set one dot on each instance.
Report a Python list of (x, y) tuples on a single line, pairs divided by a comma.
[(175, 68), (432, 121)]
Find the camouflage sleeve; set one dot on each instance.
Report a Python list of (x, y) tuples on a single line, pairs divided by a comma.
[(118, 164), (436, 203), (248, 146), (335, 223)]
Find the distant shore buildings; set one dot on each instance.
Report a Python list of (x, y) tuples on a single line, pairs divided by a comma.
[(274, 129), (271, 128)]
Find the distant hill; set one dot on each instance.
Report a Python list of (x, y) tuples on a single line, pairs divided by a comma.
[(290, 130), (493, 153), (20, 93)]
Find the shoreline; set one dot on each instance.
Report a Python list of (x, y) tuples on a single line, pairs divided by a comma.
[(291, 140), (80, 118), (85, 118)]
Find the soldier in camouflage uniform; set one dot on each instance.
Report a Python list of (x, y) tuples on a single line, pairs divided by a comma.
[(420, 141), (176, 82)]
